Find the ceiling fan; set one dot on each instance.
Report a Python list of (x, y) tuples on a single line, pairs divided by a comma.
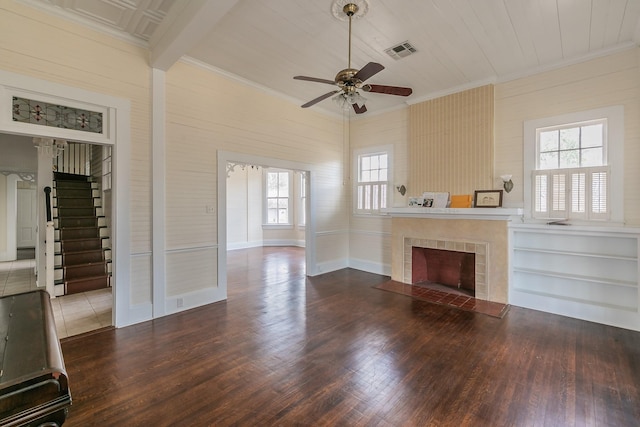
[(350, 80)]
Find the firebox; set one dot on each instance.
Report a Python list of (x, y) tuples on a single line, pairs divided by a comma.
[(450, 268), (454, 263)]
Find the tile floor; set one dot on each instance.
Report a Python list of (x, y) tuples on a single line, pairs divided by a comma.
[(74, 314)]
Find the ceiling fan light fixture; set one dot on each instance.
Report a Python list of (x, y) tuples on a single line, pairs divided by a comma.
[(346, 100), (356, 98), (341, 101)]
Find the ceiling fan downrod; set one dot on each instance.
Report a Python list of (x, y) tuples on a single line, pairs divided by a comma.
[(350, 9)]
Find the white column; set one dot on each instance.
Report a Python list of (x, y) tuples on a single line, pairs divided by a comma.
[(44, 179)]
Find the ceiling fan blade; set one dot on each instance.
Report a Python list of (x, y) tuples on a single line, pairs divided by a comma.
[(388, 90), (371, 69), (318, 99), (358, 109), (314, 79)]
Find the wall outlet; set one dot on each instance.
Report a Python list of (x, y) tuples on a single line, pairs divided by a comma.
[(209, 209), (180, 302)]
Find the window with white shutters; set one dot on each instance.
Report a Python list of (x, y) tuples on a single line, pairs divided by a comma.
[(571, 175), (373, 174)]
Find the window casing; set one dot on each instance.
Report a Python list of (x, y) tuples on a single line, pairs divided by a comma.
[(302, 216), (278, 198), (574, 170), (373, 169)]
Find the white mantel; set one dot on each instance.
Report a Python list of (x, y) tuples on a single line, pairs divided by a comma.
[(500, 214)]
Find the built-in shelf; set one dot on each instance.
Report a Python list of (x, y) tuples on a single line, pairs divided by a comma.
[(500, 214), (587, 272), (577, 254), (592, 279)]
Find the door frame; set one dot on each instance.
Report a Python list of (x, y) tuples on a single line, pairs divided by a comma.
[(117, 133)]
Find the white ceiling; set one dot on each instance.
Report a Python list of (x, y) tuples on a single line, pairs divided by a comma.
[(460, 43)]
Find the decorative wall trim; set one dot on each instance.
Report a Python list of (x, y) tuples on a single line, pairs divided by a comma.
[(24, 176), (371, 233), (191, 249)]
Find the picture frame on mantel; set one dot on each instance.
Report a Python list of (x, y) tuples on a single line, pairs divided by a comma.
[(487, 199)]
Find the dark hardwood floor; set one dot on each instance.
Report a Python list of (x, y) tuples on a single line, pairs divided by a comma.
[(288, 350)]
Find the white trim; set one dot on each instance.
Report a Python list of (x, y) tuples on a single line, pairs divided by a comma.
[(371, 233), (118, 133), (158, 173), (615, 153), (11, 200), (498, 214), (39, 93), (284, 242)]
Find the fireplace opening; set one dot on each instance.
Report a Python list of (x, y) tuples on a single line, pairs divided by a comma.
[(444, 269)]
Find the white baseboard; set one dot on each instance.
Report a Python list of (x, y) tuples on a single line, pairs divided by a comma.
[(370, 266), (329, 266)]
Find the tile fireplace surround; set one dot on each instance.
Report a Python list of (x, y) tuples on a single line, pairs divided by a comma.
[(483, 232)]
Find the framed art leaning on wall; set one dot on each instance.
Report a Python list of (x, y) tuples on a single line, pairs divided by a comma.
[(487, 199)]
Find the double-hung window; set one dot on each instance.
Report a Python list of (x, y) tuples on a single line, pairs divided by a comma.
[(373, 176), (571, 174), (278, 191)]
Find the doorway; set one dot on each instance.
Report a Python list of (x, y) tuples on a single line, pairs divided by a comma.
[(266, 207), (225, 159), (74, 314)]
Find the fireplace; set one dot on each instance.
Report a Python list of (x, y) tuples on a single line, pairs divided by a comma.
[(452, 269), (480, 231), (458, 264)]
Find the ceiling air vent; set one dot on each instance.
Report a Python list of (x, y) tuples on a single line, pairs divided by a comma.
[(401, 50)]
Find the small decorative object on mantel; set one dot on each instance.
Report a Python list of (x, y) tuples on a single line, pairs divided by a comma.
[(435, 199), (487, 199), (461, 201)]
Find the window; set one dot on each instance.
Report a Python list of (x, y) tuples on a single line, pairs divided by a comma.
[(571, 171), (373, 176), (278, 191), (574, 166), (303, 199)]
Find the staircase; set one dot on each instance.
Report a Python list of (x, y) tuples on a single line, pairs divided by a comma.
[(83, 260)]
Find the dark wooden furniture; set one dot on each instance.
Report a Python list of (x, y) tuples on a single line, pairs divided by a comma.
[(34, 389)]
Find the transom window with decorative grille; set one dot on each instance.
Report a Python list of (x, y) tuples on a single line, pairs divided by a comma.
[(574, 165), (373, 175)]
